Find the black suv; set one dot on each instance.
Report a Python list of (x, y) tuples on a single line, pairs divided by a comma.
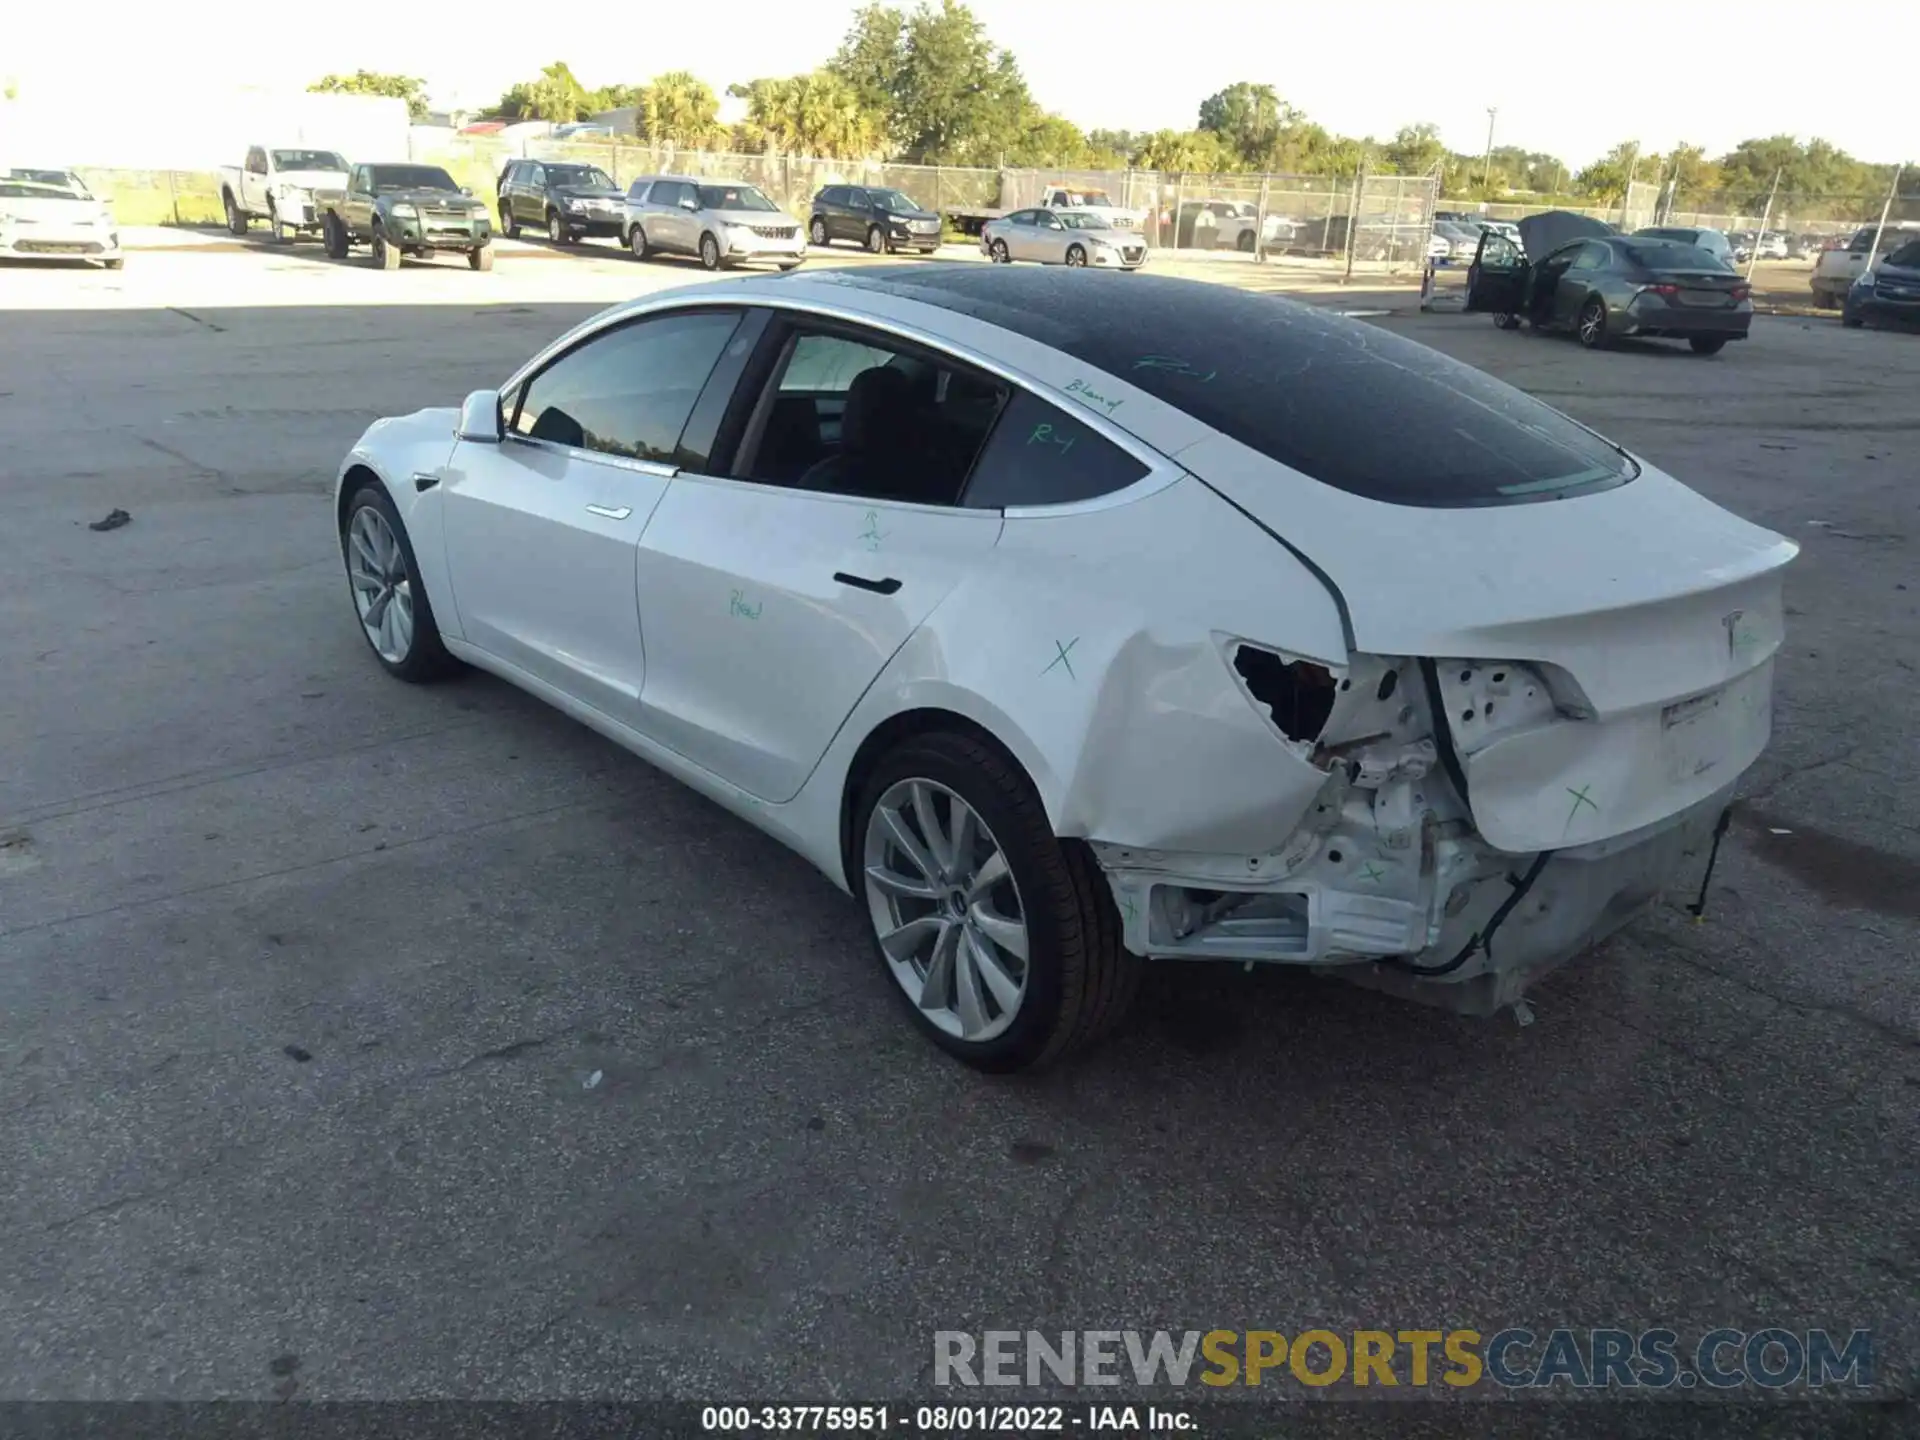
[(881, 220), (564, 199)]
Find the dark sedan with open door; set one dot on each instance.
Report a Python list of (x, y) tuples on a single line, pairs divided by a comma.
[(1580, 274)]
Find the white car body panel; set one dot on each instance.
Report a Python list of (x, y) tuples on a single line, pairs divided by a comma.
[(1615, 650)]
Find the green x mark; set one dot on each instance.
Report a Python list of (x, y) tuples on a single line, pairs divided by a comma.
[(1131, 907), (1579, 799), (1373, 872), (1060, 658)]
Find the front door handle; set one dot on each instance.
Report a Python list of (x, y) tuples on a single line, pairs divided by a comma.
[(879, 587), (610, 512)]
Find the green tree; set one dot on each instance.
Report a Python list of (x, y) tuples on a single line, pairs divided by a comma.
[(815, 114), (1604, 182), (1415, 149), (555, 96), (612, 97), (1050, 141), (949, 95), (370, 82), (1123, 144), (1190, 152), (869, 58), (1250, 119), (679, 108)]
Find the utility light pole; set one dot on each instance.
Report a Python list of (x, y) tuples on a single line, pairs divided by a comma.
[(1486, 165), (1893, 192)]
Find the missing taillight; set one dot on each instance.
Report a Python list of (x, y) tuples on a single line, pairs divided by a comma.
[(1298, 694)]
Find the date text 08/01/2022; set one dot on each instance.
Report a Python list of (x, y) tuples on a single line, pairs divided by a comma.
[(942, 1419)]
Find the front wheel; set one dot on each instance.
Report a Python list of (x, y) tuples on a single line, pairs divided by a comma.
[(791, 264), (385, 256), (482, 258), (557, 228), (1245, 242), (1592, 325), (1506, 320), (1852, 319), (637, 243), (335, 235), (817, 231), (1001, 255), (1076, 256), (282, 235), (876, 241), (709, 252), (1003, 940), (384, 580)]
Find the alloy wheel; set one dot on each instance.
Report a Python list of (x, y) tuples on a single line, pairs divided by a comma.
[(1593, 323), (556, 228), (382, 588), (1076, 256), (817, 231), (946, 910)]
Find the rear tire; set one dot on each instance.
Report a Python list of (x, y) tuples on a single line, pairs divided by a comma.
[(1591, 327), (236, 220), (509, 226), (637, 244), (1708, 344), (335, 236), (1506, 320), (1245, 243), (1077, 980), (119, 262), (482, 258)]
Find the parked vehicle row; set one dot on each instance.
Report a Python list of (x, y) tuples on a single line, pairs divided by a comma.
[(1887, 290), (52, 213)]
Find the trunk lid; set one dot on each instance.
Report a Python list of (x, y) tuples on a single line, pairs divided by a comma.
[(1644, 618)]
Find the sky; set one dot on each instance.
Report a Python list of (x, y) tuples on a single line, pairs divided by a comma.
[(1115, 65)]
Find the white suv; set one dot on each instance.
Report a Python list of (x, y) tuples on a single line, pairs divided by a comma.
[(1836, 270)]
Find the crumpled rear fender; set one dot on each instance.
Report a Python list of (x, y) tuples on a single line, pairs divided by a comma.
[(1096, 646)]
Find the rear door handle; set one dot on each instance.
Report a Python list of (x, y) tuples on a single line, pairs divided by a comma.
[(610, 512), (879, 587)]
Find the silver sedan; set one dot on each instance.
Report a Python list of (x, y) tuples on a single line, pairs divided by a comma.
[(1062, 237)]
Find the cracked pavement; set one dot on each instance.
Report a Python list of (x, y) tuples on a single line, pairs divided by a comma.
[(304, 973)]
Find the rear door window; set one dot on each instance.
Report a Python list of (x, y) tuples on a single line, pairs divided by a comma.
[(1040, 455)]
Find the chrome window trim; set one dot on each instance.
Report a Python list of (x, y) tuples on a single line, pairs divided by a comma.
[(1161, 470)]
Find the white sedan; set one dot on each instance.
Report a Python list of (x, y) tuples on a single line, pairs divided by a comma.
[(1068, 622), (1063, 237)]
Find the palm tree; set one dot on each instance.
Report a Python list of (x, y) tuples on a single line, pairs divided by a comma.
[(678, 108)]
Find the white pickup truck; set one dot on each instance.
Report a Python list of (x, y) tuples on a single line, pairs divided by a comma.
[(276, 184), (1058, 197)]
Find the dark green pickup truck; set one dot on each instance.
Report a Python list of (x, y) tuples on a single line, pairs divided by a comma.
[(400, 210)]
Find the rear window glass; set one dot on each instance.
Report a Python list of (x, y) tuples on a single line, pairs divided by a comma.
[(1040, 455), (1349, 404), (1673, 255)]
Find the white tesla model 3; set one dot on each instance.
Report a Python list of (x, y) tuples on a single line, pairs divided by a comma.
[(1069, 620)]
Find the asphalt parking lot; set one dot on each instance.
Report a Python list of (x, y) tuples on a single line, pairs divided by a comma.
[(305, 975)]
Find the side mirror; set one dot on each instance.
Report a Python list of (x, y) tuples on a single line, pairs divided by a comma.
[(480, 418), (689, 204), (466, 190)]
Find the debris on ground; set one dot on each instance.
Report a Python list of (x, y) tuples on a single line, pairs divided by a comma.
[(113, 521)]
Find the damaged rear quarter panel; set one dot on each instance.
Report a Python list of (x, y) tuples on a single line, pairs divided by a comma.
[(1095, 644)]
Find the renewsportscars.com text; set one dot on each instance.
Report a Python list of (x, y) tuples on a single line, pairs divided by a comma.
[(1771, 1358)]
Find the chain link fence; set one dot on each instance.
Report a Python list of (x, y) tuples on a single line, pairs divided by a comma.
[(1383, 219)]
